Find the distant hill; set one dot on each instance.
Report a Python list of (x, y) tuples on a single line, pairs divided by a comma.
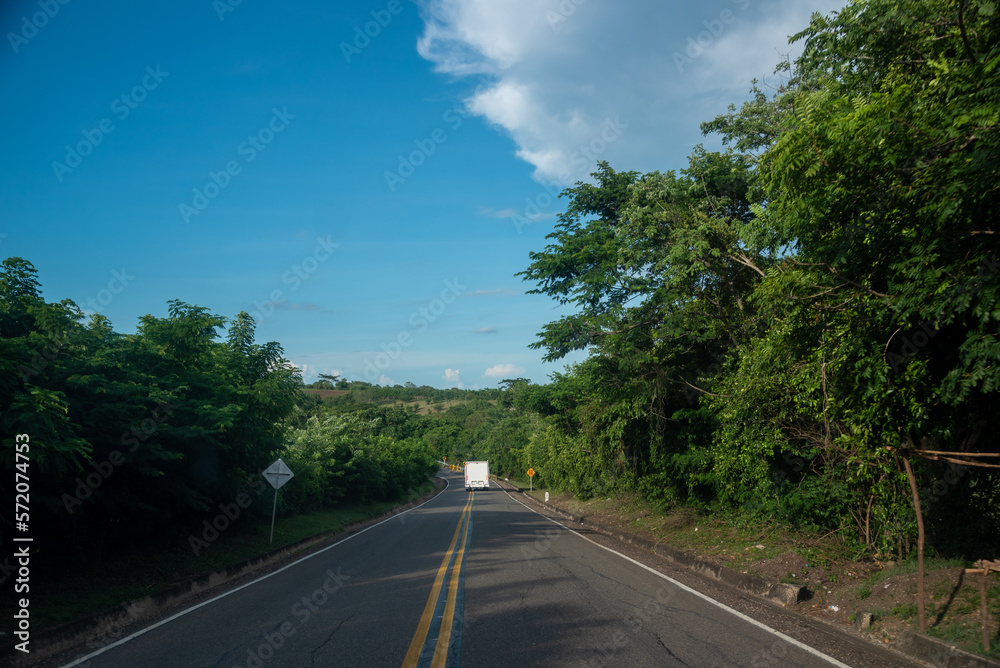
[(424, 399), (323, 394)]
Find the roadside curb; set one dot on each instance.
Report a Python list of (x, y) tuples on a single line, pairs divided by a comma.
[(938, 653), (110, 624), (777, 592)]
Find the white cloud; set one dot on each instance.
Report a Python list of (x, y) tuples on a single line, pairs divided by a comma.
[(310, 372), (533, 216), (385, 380), (464, 37), (490, 329), (451, 376), (503, 371), (751, 51), (565, 73), (483, 293)]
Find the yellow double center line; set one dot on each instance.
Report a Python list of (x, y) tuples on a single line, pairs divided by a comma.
[(444, 635)]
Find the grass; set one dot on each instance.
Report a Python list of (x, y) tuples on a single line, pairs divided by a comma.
[(910, 566), (734, 543), (59, 598), (425, 407), (905, 611), (966, 635)]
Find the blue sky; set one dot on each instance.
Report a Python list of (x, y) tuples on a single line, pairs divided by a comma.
[(365, 178)]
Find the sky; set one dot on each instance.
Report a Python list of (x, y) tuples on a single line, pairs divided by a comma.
[(365, 178)]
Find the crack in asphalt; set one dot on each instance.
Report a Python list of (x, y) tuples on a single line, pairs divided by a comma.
[(667, 650), (312, 654)]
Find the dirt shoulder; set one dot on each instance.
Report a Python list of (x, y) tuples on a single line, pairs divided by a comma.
[(873, 598)]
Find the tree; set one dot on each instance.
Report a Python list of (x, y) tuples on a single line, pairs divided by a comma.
[(881, 183)]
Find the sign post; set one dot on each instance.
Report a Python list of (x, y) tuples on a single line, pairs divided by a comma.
[(531, 476), (277, 474)]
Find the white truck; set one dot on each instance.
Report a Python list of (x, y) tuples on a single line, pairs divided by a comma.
[(477, 475)]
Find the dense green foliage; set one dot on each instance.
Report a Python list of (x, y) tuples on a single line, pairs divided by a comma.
[(765, 324), (768, 328), (137, 440)]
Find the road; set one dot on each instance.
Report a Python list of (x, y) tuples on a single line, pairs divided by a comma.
[(475, 579)]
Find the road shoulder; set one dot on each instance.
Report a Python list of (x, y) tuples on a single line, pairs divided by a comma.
[(844, 644)]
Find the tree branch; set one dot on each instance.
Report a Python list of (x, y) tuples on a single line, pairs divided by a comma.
[(961, 27)]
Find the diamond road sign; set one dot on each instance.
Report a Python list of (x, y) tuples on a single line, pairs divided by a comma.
[(278, 473)]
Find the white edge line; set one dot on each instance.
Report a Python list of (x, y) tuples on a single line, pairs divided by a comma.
[(249, 584), (751, 620)]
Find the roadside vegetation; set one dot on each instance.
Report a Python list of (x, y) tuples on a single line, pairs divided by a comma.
[(775, 332), (146, 449), (778, 331)]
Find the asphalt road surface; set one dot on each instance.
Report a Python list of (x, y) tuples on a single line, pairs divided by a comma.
[(473, 579)]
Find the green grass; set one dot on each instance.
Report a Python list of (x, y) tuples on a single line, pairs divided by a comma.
[(536, 490), (966, 635), (905, 611), (910, 566), (85, 591)]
